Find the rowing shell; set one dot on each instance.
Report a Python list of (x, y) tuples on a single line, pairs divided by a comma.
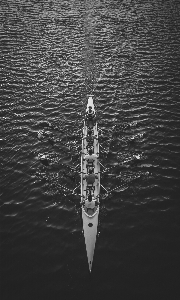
[(90, 216)]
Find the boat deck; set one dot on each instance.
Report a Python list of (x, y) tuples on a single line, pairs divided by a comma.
[(89, 215), (91, 211)]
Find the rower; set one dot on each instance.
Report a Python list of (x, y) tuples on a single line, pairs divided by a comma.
[(90, 138), (90, 178), (90, 157)]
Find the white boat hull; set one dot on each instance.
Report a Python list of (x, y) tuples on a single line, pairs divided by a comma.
[(90, 225), (90, 217)]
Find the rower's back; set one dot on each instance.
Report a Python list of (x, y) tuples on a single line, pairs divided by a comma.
[(90, 178)]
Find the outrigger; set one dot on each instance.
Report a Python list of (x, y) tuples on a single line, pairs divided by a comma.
[(90, 180)]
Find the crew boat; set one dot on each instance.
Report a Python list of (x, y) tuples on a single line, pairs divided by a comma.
[(90, 179)]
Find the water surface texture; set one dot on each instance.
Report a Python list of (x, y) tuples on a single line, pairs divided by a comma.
[(52, 55)]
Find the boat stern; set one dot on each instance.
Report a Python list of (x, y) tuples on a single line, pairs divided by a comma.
[(90, 224)]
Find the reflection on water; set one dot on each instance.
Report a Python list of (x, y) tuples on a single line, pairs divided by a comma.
[(52, 55)]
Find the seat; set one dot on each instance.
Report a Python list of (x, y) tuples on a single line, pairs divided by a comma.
[(90, 187), (90, 165), (90, 146)]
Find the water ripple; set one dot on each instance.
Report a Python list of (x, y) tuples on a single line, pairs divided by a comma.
[(52, 55)]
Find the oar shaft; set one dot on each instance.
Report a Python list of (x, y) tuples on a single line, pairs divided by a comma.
[(77, 166), (102, 165), (104, 188), (103, 149), (76, 188)]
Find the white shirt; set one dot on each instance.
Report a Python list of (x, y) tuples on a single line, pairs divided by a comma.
[(90, 157), (90, 204)]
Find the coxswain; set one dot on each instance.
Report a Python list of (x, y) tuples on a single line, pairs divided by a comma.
[(90, 112), (90, 118), (91, 202)]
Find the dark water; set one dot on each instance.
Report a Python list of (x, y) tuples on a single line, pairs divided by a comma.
[(52, 54)]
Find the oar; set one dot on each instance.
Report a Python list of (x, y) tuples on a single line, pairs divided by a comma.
[(76, 188), (68, 191), (72, 168), (103, 149), (102, 165), (110, 192), (104, 189), (119, 186), (77, 166)]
